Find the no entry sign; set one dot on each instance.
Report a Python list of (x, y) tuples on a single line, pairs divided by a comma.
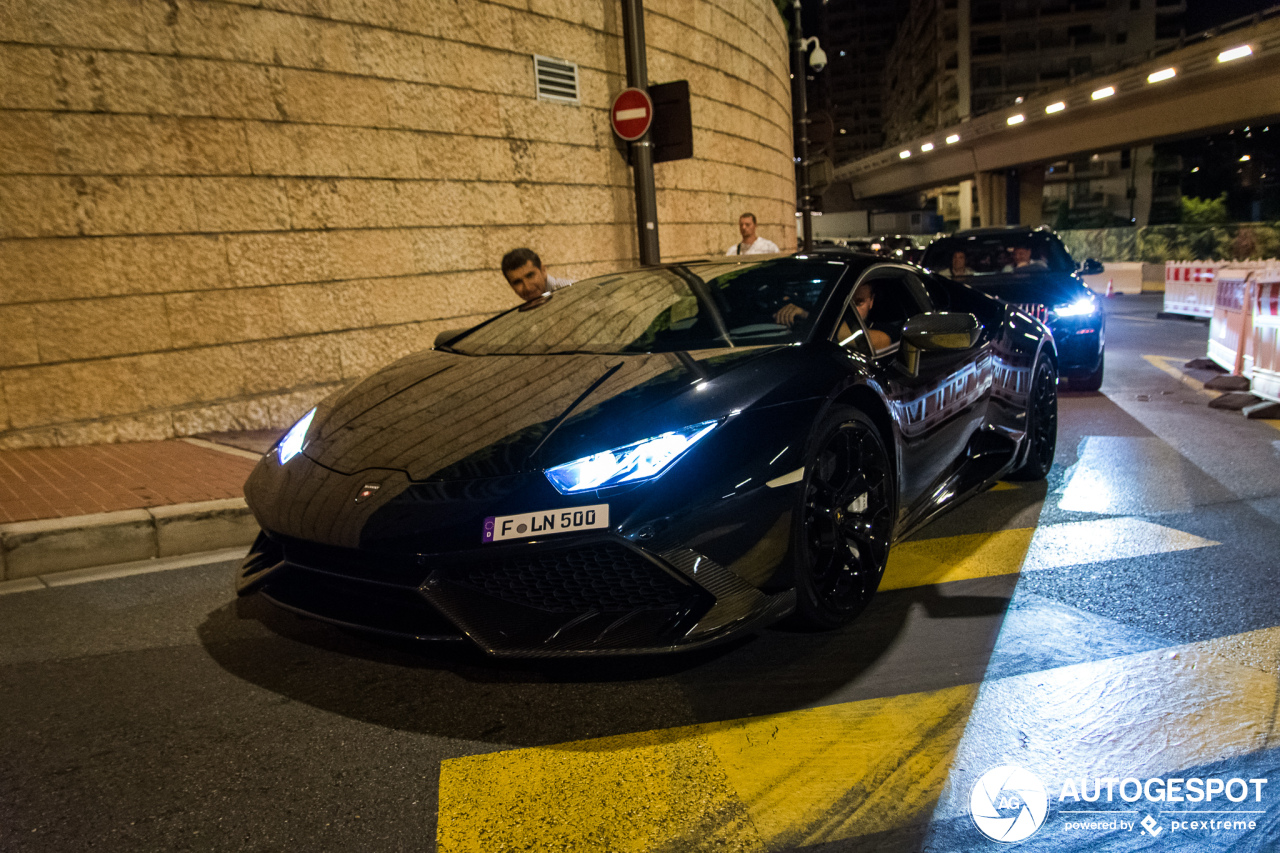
[(631, 115)]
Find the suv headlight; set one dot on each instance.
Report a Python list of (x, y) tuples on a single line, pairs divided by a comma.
[(1079, 308), (631, 463)]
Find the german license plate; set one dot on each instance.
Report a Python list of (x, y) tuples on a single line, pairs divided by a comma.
[(545, 523)]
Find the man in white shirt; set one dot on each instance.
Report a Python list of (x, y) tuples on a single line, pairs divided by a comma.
[(751, 244), (528, 278), (1022, 261)]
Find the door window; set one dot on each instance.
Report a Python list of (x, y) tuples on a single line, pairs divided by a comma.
[(882, 301)]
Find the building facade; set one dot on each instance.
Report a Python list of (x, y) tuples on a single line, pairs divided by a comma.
[(956, 58), (213, 214), (857, 36)]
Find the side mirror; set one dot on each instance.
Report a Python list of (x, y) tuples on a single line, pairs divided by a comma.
[(941, 330), (935, 330), (1091, 266)]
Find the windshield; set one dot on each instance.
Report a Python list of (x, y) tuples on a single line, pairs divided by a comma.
[(686, 307), (997, 253)]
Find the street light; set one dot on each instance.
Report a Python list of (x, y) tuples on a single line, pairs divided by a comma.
[(800, 47)]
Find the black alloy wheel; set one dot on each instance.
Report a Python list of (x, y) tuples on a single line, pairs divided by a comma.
[(1042, 423), (846, 521)]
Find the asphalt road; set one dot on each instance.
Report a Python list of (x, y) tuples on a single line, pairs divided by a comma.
[(1118, 620)]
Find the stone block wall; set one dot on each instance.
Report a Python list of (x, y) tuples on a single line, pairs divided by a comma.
[(212, 214)]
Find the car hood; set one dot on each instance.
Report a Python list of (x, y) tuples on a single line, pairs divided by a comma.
[(440, 415), (1044, 288)]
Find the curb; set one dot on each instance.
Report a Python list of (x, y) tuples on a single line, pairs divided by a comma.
[(32, 548)]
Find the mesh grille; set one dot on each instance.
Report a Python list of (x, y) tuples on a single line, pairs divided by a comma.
[(556, 80), (605, 576)]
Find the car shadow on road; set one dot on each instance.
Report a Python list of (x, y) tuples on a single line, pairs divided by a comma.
[(453, 691)]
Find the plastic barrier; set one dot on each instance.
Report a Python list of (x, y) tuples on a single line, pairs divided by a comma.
[(1189, 288), (1228, 320), (1244, 333), (1265, 373)]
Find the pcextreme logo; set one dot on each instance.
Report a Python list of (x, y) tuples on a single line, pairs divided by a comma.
[(1008, 804)]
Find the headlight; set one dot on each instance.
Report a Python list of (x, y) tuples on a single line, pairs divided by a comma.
[(1076, 309), (629, 464), (295, 439)]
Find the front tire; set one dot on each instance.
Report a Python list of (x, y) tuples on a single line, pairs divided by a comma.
[(1042, 423), (845, 522)]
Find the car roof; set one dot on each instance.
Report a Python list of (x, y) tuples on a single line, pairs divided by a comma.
[(1001, 231)]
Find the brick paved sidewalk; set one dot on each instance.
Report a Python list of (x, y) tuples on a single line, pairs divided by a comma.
[(61, 482)]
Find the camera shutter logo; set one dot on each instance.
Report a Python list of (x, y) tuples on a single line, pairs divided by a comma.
[(1008, 804)]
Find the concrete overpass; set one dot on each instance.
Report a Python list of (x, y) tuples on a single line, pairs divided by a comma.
[(1207, 91)]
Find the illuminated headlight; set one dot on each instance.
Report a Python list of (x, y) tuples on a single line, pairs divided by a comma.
[(295, 439), (1079, 308), (630, 464)]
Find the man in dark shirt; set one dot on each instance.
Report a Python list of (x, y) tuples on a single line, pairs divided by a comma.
[(523, 270)]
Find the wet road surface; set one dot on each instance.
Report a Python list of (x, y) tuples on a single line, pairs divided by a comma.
[(1110, 637)]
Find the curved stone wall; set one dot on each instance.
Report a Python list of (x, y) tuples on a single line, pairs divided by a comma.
[(214, 213)]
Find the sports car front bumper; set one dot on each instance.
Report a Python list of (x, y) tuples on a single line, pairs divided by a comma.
[(591, 594)]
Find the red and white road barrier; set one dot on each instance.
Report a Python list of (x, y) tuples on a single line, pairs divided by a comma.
[(1227, 326), (1190, 288), (1244, 332), (1265, 370)]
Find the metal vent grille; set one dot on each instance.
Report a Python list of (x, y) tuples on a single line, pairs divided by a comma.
[(555, 79)]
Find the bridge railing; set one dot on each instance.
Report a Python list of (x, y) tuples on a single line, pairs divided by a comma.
[(1260, 32)]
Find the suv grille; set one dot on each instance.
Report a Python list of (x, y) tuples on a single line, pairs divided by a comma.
[(1036, 310)]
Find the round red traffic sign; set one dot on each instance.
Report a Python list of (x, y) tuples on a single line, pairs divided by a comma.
[(631, 115)]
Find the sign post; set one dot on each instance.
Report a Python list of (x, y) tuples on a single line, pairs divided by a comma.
[(625, 117)]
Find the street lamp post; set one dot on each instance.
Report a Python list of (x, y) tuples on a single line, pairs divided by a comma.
[(800, 108)]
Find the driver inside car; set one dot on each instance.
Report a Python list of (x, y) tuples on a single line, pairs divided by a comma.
[(1022, 260), (864, 299)]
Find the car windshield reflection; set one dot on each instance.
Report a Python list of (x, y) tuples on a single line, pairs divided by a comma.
[(682, 307)]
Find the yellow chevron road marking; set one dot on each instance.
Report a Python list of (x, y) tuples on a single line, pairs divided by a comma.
[(840, 771), (647, 791), (1166, 364), (834, 772), (953, 558), (756, 784)]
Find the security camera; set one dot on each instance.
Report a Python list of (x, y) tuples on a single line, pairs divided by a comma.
[(818, 59)]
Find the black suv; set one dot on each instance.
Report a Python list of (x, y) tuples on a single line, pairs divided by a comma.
[(1033, 270)]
